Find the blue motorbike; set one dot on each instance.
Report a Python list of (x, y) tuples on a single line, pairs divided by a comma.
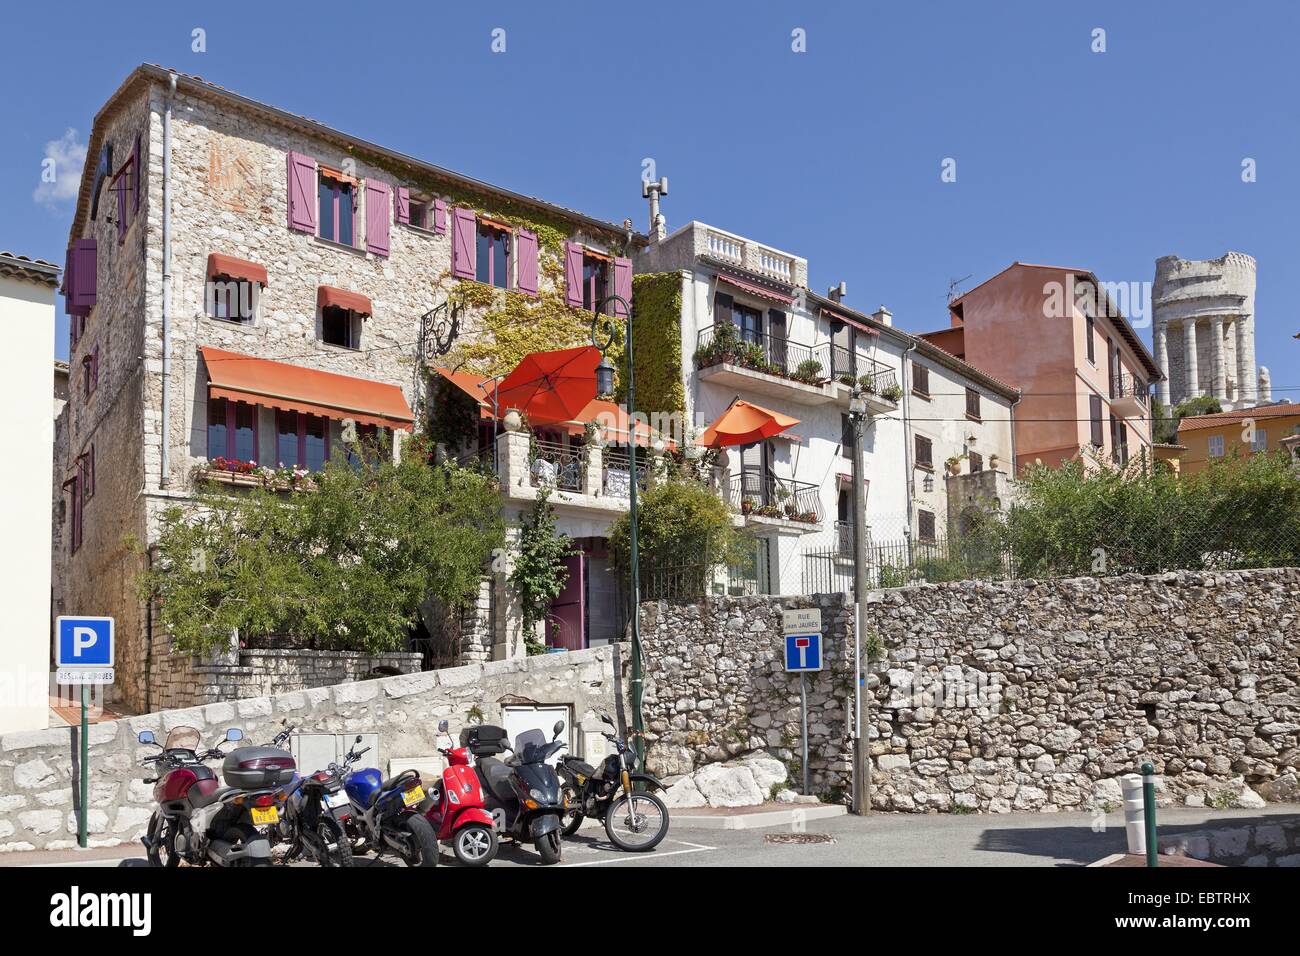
[(386, 813)]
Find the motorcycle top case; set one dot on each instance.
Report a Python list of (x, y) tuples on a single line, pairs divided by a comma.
[(256, 768), (484, 740)]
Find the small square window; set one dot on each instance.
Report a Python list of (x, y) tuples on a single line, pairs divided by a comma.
[(421, 212), (340, 327), (1216, 446), (1261, 440), (232, 300)]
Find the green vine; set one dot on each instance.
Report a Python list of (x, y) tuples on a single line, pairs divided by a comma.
[(539, 574), (657, 342)]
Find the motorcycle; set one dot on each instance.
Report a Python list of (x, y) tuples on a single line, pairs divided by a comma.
[(384, 813), (199, 821), (454, 808), (523, 792), (315, 811), (635, 819)]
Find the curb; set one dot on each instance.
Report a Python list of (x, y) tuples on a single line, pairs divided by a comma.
[(765, 818)]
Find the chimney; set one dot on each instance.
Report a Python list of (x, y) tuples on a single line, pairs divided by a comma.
[(883, 316), (652, 192), (837, 293)]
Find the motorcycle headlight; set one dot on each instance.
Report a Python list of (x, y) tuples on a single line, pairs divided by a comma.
[(538, 796)]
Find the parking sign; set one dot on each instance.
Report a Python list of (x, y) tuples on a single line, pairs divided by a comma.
[(83, 650)]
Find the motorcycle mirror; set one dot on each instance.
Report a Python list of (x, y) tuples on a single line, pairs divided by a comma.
[(147, 737), (442, 726), (558, 728), (358, 740), (234, 733)]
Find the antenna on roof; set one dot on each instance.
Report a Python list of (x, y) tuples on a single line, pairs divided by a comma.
[(954, 285)]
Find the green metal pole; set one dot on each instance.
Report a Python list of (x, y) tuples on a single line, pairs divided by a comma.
[(85, 770), (1149, 811), (638, 741)]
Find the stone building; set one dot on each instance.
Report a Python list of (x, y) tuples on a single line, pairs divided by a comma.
[(1204, 314), (245, 286)]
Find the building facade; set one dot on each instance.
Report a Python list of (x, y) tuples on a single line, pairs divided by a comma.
[(1238, 433), (1083, 373), (27, 381)]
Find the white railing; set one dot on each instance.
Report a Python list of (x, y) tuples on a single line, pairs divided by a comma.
[(773, 264), (751, 255), (722, 246)]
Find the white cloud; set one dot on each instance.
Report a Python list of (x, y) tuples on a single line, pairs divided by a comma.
[(60, 175)]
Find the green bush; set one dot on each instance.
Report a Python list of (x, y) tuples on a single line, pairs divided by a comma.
[(681, 523)]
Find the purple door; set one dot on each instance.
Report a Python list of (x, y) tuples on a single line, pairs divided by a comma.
[(566, 624)]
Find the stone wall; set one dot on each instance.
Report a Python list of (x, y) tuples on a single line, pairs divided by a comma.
[(1025, 695), (1266, 843), (38, 769)]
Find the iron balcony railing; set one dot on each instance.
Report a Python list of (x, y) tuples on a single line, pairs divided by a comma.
[(1126, 385), (786, 358), (617, 465), (768, 496), (557, 466)]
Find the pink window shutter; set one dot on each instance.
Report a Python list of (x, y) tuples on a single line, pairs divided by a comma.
[(464, 248), (440, 217), (622, 286), (377, 206), (402, 204), (573, 275), (526, 251), (302, 193), (83, 276)]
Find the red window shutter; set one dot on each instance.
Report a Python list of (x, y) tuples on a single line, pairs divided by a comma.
[(302, 193), (573, 275), (83, 277), (622, 286), (402, 204), (377, 206), (137, 175), (464, 248), (526, 251), (439, 217)]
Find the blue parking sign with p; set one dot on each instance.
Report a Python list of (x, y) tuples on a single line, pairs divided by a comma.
[(84, 642), (803, 652)]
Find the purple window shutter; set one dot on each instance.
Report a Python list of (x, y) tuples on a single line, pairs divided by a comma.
[(137, 175), (622, 285), (573, 275), (402, 204), (526, 251), (83, 276), (302, 193), (377, 206), (439, 216), (122, 202), (464, 248)]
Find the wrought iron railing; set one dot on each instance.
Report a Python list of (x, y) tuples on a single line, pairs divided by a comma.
[(617, 478), (1127, 385), (786, 358), (768, 496), (557, 466)]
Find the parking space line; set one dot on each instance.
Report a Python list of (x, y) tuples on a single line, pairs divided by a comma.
[(627, 857)]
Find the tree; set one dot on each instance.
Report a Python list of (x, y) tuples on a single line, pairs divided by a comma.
[(1165, 421), (344, 562), (540, 573)]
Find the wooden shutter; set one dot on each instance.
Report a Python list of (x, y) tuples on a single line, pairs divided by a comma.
[(84, 278), (924, 452), (402, 204), (526, 253), (464, 248), (573, 275), (440, 216), (302, 193), (622, 285), (722, 309), (377, 204)]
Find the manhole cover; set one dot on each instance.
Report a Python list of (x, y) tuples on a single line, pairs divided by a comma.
[(798, 838)]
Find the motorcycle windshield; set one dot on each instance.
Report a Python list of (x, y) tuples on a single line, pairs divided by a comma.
[(182, 738)]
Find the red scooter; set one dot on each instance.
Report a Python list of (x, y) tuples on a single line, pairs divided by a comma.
[(455, 809)]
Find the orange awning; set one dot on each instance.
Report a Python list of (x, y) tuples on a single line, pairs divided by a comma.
[(328, 295), (474, 386), (235, 268), (243, 378), (743, 424)]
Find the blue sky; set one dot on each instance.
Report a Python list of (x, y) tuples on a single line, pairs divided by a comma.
[(1064, 156)]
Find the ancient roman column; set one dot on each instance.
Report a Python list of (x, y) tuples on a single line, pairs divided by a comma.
[(1162, 360), (1191, 379), (1216, 358), (1245, 362)]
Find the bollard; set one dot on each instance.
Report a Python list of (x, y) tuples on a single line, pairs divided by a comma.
[(1134, 809), (1149, 815)]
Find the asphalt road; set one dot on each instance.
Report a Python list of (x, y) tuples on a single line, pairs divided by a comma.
[(1028, 839)]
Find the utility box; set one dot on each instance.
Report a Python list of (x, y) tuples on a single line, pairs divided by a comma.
[(314, 752)]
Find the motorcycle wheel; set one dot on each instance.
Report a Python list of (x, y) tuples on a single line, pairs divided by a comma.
[(163, 853), (636, 823), (245, 833), (475, 844), (424, 849), (573, 819), (549, 847), (328, 831)]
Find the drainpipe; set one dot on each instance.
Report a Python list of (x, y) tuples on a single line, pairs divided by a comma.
[(1012, 416), (165, 479), (907, 443)]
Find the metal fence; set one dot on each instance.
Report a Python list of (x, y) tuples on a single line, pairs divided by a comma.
[(557, 466)]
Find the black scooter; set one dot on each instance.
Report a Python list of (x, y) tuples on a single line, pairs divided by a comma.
[(522, 792)]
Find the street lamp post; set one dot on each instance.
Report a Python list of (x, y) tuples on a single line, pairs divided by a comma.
[(861, 759), (605, 386)]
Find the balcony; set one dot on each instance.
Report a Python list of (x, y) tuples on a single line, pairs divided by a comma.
[(1129, 395), (765, 365), (558, 466), (616, 471), (751, 256), (768, 500), (878, 382)]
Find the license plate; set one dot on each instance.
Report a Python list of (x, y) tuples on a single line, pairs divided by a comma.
[(413, 796), (336, 799), (266, 814)]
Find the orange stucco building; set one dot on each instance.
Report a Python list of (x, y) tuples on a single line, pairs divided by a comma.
[(1244, 431), (1056, 334)]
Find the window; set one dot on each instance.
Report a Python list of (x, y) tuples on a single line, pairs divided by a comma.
[(925, 526), (1118, 441), (1261, 440), (1089, 331), (301, 440), (73, 487), (595, 278), (89, 371), (848, 437), (1094, 413), (232, 430), (421, 212), (230, 299), (493, 265), (749, 321), (368, 446), (339, 326), (920, 380), (86, 467), (337, 207), (924, 452), (1216, 446), (973, 404), (976, 461), (122, 187)]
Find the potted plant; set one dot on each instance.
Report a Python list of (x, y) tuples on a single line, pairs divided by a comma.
[(994, 461), (867, 383), (954, 464), (746, 505), (893, 392), (809, 371)]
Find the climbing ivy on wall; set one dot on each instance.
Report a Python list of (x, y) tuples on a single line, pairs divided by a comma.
[(657, 343)]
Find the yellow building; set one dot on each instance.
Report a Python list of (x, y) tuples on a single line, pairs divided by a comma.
[(1242, 432)]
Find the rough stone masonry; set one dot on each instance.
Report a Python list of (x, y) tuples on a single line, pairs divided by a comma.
[(1022, 695)]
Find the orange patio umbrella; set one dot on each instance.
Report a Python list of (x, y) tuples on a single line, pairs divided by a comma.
[(551, 387), (744, 423)]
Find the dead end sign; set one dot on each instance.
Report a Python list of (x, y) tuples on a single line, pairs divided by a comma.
[(803, 639)]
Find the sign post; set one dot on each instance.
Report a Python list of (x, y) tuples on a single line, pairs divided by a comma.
[(83, 654), (803, 652)]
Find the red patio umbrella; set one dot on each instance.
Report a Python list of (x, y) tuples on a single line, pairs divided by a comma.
[(551, 387), (744, 423)]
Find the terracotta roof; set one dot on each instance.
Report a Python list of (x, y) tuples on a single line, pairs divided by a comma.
[(30, 270), (197, 86), (1195, 422)]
